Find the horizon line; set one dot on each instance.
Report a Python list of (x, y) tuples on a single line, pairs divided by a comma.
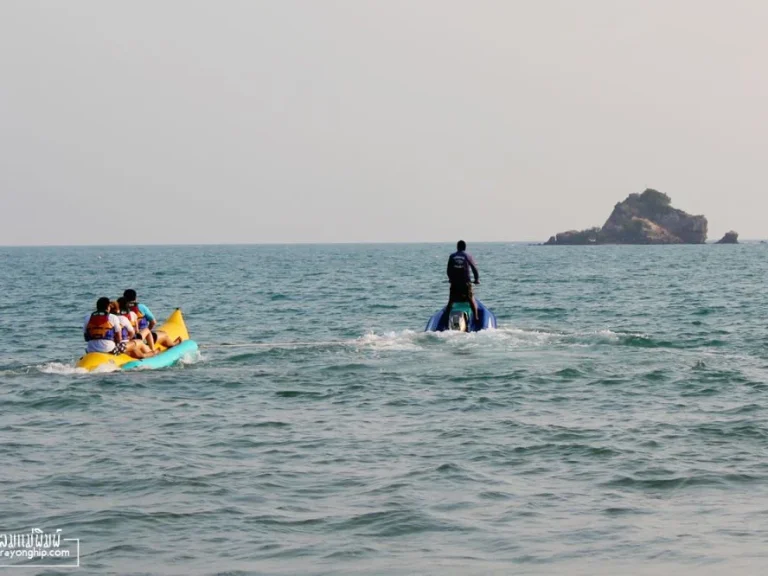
[(332, 243)]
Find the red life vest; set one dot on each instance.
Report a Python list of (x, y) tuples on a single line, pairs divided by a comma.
[(141, 321), (99, 327)]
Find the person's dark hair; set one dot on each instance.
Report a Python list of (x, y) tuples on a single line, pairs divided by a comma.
[(461, 245), (102, 304), (130, 295), (123, 303)]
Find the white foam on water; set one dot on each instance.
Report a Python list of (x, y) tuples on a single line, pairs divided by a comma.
[(521, 336), (410, 340), (405, 340), (191, 358), (61, 369), (577, 337)]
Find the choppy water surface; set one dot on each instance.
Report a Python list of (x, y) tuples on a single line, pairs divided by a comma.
[(616, 422)]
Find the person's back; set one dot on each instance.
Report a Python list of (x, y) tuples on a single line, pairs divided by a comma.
[(102, 330), (461, 267)]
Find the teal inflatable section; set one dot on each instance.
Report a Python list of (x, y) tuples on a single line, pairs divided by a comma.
[(164, 359)]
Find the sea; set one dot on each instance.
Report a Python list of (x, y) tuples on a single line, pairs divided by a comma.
[(615, 423)]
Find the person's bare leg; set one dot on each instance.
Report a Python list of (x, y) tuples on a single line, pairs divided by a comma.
[(147, 335), (474, 308), (137, 349), (163, 339), (146, 350)]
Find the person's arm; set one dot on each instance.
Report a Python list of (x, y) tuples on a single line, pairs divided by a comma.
[(448, 268), (149, 316), (473, 266), (117, 328), (128, 326)]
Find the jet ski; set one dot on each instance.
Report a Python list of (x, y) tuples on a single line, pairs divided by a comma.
[(461, 319)]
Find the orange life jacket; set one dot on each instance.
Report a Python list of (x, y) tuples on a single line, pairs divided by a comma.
[(99, 327)]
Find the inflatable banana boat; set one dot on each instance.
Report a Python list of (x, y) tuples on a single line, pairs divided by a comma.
[(175, 327)]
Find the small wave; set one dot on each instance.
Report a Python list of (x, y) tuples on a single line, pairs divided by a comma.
[(267, 424), (300, 393), (707, 310), (393, 523), (683, 342), (546, 312), (659, 375), (623, 511), (352, 553), (248, 356), (682, 481), (569, 373), (644, 341), (56, 403)]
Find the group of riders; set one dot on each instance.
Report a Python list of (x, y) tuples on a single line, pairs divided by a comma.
[(124, 326)]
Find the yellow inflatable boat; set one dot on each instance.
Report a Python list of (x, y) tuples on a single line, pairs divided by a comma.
[(175, 327)]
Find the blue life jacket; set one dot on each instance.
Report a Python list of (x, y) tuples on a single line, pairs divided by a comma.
[(142, 320)]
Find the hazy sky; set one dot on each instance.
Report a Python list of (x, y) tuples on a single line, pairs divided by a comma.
[(368, 120)]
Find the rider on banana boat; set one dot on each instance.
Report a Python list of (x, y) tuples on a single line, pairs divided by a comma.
[(145, 322), (135, 348), (102, 330)]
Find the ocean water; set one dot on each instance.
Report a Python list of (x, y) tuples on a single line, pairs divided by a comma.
[(615, 423)]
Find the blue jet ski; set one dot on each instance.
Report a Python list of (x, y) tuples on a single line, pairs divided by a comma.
[(462, 319)]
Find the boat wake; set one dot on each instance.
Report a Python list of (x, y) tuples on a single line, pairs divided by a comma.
[(413, 341), (60, 368), (504, 336)]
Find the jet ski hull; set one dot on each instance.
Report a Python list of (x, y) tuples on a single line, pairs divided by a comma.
[(439, 322)]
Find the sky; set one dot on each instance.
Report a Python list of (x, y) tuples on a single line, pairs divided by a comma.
[(176, 122)]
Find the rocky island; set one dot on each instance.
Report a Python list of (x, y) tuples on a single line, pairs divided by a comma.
[(729, 238), (646, 218)]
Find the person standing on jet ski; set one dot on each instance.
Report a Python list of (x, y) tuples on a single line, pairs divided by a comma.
[(460, 263)]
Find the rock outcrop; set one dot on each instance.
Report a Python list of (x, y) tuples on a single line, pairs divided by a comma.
[(729, 238), (646, 218)]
